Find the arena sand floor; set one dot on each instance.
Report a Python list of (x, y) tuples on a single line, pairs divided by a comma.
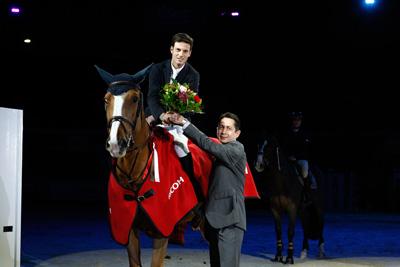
[(80, 237)]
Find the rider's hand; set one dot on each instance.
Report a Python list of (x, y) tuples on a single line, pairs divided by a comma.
[(150, 119), (259, 166), (165, 118), (260, 159), (177, 118)]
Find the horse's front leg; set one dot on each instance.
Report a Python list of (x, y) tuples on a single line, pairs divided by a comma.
[(133, 249), (159, 251), (278, 233), (291, 228)]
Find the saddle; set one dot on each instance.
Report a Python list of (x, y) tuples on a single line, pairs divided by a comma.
[(173, 195)]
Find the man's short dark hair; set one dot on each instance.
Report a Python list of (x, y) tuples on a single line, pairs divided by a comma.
[(182, 37), (232, 116)]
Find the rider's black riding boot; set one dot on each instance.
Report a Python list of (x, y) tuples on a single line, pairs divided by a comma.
[(187, 164), (198, 216)]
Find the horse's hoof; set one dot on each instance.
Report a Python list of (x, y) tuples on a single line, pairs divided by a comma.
[(303, 254), (167, 257), (278, 258), (321, 256), (289, 260)]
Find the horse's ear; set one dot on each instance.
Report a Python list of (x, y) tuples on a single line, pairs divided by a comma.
[(107, 77), (139, 76)]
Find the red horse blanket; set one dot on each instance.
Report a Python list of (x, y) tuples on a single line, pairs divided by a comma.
[(173, 197)]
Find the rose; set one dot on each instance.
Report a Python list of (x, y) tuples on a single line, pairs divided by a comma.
[(197, 99), (183, 96), (182, 88)]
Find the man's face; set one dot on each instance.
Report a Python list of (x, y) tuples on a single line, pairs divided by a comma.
[(180, 54), (296, 122), (226, 131)]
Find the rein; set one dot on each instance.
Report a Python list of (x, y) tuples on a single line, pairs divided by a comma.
[(277, 152), (135, 182), (278, 158), (132, 146)]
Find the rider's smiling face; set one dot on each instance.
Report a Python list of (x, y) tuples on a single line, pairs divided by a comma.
[(180, 52)]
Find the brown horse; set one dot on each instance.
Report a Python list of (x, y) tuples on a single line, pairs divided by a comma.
[(284, 188), (284, 192), (129, 145)]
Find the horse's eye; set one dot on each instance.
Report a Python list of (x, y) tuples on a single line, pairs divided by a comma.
[(135, 99)]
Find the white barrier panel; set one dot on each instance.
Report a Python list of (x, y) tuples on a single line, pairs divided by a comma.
[(11, 124)]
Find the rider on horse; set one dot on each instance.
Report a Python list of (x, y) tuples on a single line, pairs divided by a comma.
[(176, 69), (296, 145)]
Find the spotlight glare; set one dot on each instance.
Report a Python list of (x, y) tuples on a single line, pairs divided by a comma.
[(15, 10)]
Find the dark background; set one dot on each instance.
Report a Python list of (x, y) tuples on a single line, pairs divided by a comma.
[(335, 60)]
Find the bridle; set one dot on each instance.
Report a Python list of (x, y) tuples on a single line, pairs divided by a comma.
[(130, 143)]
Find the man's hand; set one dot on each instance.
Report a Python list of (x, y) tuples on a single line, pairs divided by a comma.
[(176, 118)]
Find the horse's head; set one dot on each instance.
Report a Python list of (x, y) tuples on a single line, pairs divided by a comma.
[(268, 153), (124, 111)]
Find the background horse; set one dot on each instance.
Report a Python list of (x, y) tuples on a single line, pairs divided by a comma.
[(129, 144), (284, 190)]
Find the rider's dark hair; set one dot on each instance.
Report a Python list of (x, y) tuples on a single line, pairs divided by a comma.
[(182, 37)]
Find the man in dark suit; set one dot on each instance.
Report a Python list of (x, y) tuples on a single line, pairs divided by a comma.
[(225, 208), (176, 68)]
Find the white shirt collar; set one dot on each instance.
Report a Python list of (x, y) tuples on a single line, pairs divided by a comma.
[(175, 71)]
